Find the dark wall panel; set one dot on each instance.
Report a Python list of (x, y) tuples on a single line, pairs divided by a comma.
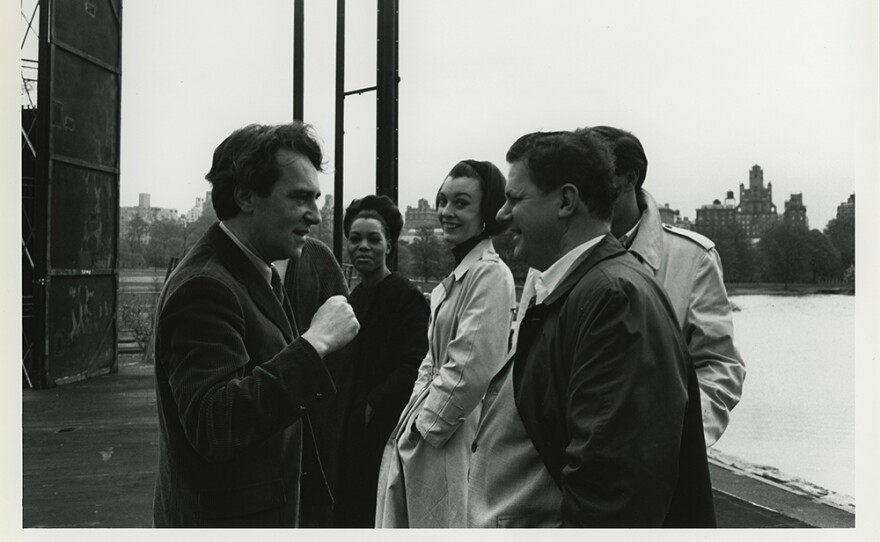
[(85, 110), (90, 26), (73, 211), (82, 327), (83, 231)]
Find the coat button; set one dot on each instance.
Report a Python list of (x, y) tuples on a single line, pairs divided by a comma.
[(474, 447)]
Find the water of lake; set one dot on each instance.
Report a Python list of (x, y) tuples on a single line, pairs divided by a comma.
[(797, 411)]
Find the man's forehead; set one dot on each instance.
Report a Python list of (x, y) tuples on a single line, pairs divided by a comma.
[(286, 158), (518, 179), (297, 174)]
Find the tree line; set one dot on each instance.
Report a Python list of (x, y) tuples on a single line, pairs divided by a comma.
[(154, 244), (785, 254), (790, 254)]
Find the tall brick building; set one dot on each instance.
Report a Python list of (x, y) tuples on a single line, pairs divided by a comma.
[(795, 212), (422, 215), (146, 212), (717, 217), (847, 208), (756, 212)]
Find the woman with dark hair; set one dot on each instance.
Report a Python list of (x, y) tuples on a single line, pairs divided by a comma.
[(423, 478), (374, 374)]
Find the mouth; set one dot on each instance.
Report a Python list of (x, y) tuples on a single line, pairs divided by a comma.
[(449, 226)]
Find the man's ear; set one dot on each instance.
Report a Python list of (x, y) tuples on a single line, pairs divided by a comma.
[(244, 198), (569, 199), (631, 178)]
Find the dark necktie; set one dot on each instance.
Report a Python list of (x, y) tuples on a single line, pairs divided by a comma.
[(277, 287)]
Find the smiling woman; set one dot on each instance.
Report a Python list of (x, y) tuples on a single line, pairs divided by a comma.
[(424, 473)]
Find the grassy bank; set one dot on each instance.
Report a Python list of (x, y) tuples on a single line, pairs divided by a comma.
[(778, 288)]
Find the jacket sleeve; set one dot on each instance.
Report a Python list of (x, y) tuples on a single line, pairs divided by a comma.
[(473, 356), (331, 278), (709, 334), (624, 408), (411, 331), (200, 332)]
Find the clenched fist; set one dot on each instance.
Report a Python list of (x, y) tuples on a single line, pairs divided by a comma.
[(333, 326)]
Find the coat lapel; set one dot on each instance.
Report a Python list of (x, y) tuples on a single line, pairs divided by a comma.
[(241, 268), (530, 377), (608, 247)]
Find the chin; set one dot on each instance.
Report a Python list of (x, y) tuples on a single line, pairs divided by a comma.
[(364, 271), (295, 252)]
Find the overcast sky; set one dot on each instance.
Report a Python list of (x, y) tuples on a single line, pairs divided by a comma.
[(711, 88)]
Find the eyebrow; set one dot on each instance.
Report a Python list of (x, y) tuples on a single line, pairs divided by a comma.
[(304, 192)]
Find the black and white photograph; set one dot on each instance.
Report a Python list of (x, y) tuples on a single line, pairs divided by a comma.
[(392, 264)]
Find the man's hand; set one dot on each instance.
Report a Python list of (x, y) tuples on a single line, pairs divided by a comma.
[(333, 326)]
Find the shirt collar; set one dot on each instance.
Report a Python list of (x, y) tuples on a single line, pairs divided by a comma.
[(627, 237), (648, 241), (547, 281), (473, 257), (258, 262)]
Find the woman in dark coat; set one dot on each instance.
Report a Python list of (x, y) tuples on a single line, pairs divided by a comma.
[(376, 372)]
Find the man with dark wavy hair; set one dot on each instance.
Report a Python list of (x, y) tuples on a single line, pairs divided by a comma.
[(235, 377), (594, 421)]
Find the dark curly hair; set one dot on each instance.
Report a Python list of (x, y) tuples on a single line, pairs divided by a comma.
[(247, 158), (379, 207), (583, 160)]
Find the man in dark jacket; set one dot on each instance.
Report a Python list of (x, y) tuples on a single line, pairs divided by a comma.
[(234, 376), (601, 380)]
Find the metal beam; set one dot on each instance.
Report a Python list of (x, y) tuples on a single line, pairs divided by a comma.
[(386, 102), (339, 151), (386, 99), (298, 55)]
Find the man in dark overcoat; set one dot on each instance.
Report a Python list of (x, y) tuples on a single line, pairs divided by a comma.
[(235, 379), (595, 419)]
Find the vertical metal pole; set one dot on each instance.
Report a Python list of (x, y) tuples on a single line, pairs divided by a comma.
[(298, 18), (40, 361), (340, 130), (386, 102)]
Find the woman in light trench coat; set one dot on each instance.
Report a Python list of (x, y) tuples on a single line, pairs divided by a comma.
[(423, 477)]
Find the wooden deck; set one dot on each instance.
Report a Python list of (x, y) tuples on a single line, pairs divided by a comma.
[(89, 453)]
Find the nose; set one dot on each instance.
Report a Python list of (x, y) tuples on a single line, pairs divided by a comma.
[(503, 215), (441, 210), (313, 215)]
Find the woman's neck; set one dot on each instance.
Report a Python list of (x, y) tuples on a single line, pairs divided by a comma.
[(375, 277), (461, 250)]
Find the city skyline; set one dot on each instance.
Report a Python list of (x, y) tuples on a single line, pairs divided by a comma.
[(668, 205)]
